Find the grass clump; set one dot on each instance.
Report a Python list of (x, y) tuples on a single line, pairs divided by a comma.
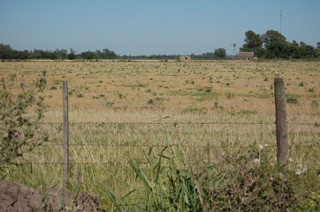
[(314, 104), (292, 100), (195, 110), (245, 181)]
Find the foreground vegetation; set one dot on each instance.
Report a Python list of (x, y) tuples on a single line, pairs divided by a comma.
[(157, 135)]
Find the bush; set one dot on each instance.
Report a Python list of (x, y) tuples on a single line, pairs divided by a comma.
[(20, 121)]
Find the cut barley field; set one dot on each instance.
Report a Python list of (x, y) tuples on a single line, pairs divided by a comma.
[(118, 110)]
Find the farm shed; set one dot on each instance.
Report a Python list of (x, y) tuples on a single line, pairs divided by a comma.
[(185, 57), (245, 55)]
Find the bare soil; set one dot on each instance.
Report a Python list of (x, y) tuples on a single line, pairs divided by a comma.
[(17, 197)]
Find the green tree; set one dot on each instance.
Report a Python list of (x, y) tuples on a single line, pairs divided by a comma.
[(295, 43), (253, 43), (6, 52), (272, 36), (5, 47), (72, 54), (220, 53), (278, 50), (21, 55), (89, 55), (293, 50), (252, 40), (109, 54), (307, 51), (52, 55), (302, 44), (61, 54), (261, 52), (317, 53), (318, 50)]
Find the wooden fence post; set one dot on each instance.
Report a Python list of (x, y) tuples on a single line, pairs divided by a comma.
[(65, 135), (281, 121)]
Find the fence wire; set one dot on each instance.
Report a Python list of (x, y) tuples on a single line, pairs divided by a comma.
[(270, 148)]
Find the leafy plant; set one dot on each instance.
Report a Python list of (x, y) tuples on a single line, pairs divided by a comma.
[(20, 121)]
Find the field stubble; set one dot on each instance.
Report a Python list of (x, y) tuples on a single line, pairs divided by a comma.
[(118, 110)]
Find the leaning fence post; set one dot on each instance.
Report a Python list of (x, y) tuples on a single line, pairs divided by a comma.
[(65, 135), (281, 121)]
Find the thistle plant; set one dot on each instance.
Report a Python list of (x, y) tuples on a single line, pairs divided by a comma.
[(20, 116)]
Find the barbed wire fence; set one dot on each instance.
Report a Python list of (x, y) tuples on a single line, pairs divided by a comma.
[(281, 145)]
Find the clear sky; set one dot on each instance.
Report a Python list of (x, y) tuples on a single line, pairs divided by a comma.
[(145, 27)]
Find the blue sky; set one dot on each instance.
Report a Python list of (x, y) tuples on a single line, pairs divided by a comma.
[(145, 27)]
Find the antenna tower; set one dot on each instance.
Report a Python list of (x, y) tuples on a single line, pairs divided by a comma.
[(281, 21), (234, 49)]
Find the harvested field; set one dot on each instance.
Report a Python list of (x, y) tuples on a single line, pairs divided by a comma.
[(118, 110)]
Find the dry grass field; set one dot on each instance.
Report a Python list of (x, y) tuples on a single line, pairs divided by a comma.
[(118, 110)]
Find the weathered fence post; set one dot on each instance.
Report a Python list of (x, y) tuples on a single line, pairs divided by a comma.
[(281, 121), (65, 135)]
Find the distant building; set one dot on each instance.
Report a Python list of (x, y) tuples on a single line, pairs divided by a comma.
[(245, 55), (185, 57)]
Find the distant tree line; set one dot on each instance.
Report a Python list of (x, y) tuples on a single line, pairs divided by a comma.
[(273, 44), (6, 52), (218, 54)]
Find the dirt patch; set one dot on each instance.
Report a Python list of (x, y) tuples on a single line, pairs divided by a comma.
[(17, 197)]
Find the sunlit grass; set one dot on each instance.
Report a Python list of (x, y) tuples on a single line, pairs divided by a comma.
[(199, 109)]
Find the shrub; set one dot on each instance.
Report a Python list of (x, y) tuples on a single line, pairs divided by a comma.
[(20, 121)]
